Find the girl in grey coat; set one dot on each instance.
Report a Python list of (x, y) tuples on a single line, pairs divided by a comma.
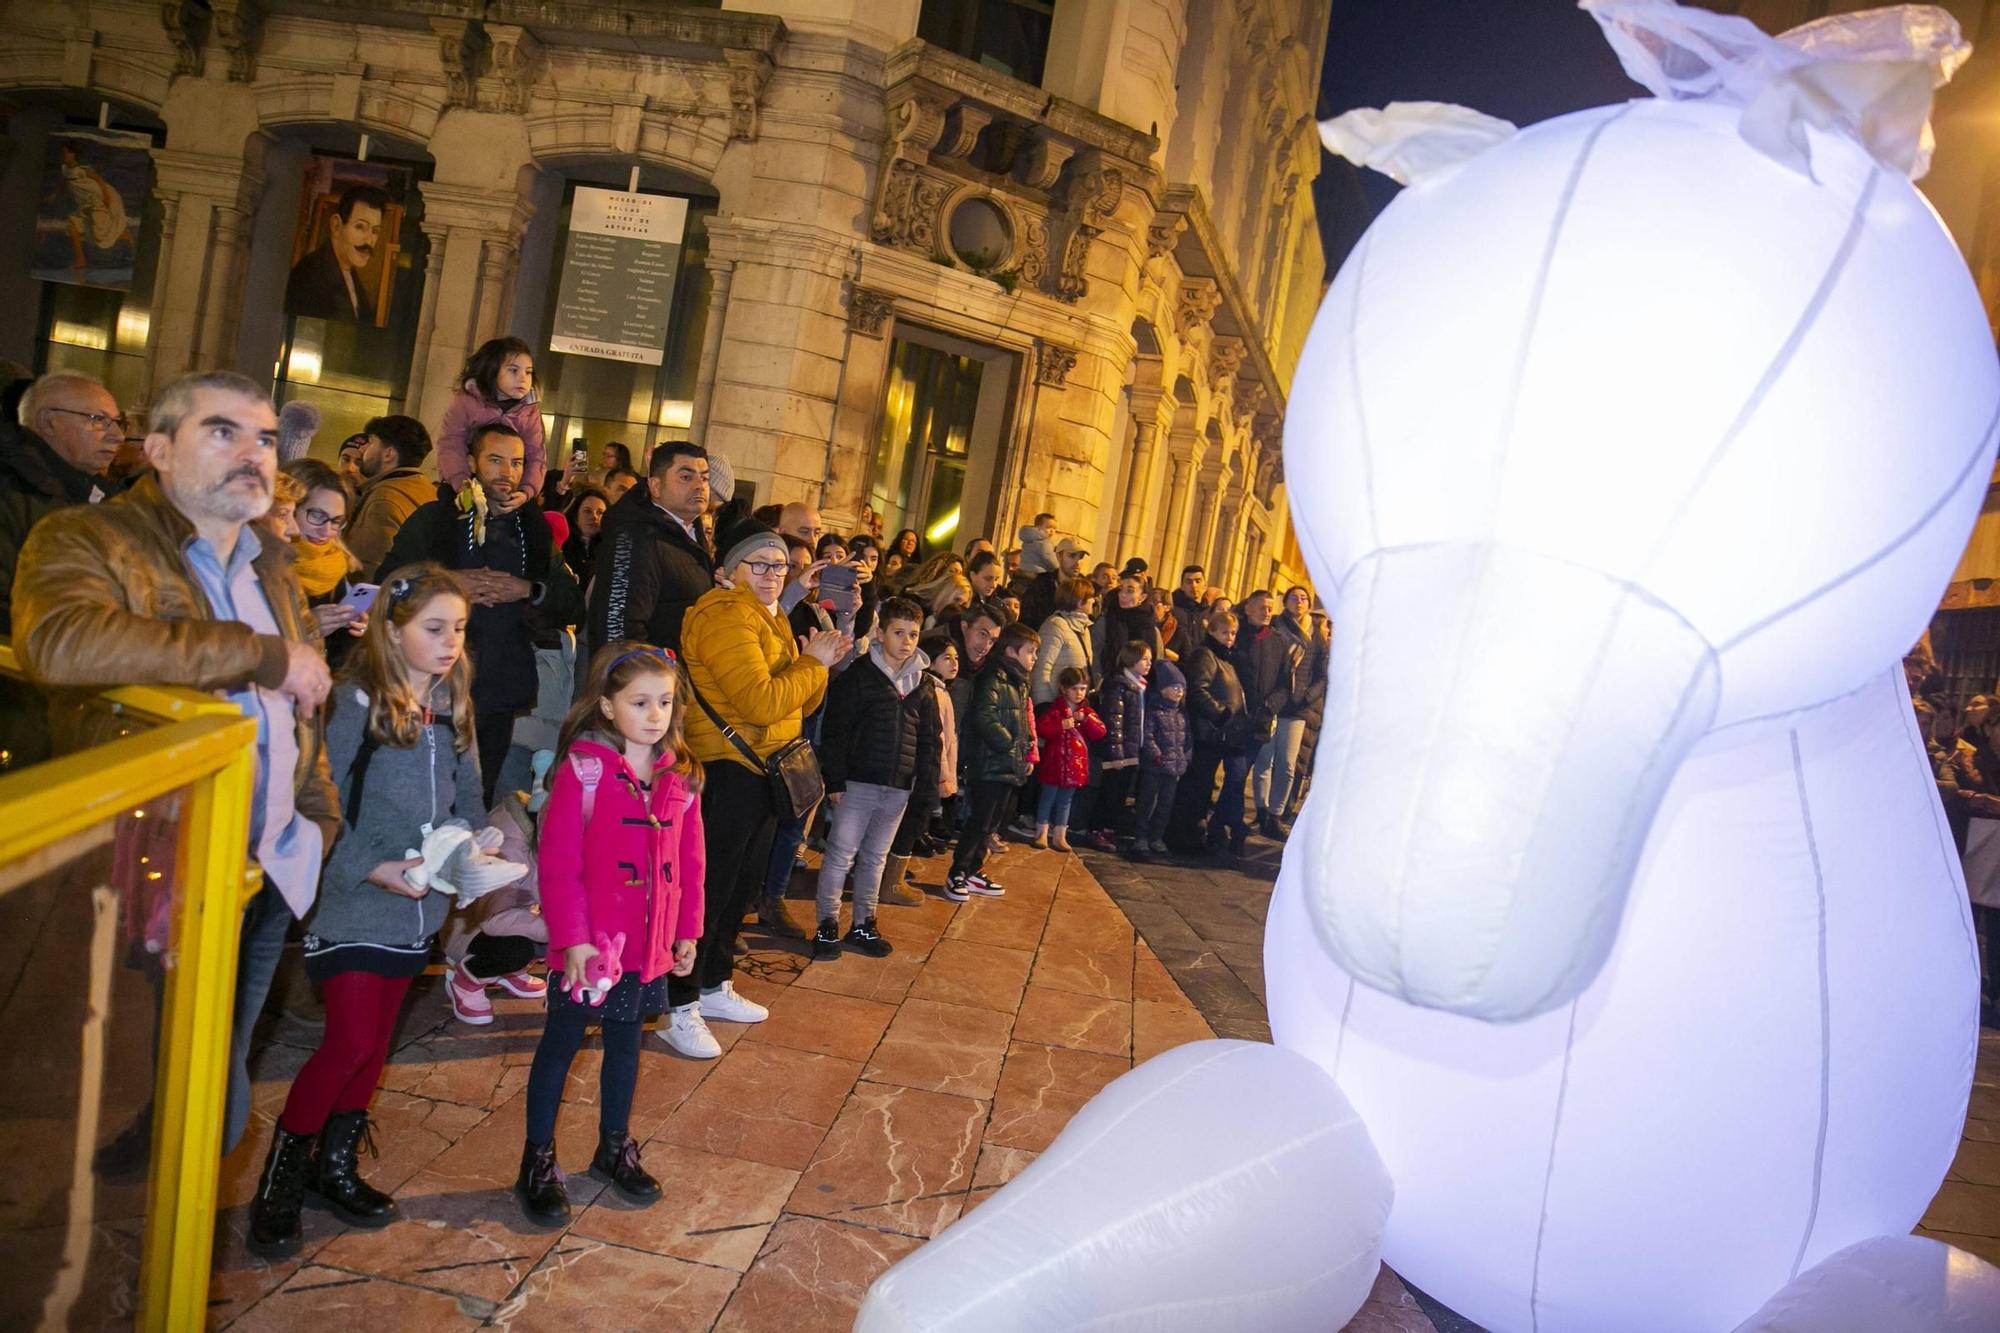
[(401, 746)]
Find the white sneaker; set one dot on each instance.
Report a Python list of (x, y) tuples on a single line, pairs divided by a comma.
[(686, 1033), (725, 1005)]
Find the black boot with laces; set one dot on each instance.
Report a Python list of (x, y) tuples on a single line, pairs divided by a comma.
[(540, 1185), (617, 1165), (863, 936), (274, 1213), (336, 1176)]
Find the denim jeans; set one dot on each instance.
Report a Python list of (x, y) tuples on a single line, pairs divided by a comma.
[(1052, 807), (1156, 800), (259, 947), (1227, 820), (864, 824), (1271, 775), (785, 844)]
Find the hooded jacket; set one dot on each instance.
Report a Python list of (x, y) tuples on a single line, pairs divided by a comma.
[(1065, 760), (744, 663), (999, 733), (384, 505), (647, 574), (882, 730), (1065, 643), (1305, 687), (1122, 703), (467, 411), (403, 792), (1038, 551), (1166, 743), (638, 867)]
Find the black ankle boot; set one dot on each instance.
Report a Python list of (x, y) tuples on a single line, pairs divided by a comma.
[(540, 1185), (336, 1175), (274, 1212), (617, 1165)]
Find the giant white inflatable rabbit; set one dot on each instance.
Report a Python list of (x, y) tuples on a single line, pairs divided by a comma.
[(1621, 931)]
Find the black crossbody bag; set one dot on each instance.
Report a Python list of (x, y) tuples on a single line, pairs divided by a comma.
[(792, 770)]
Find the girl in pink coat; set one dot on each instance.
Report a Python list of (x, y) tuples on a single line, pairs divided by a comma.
[(621, 866), (497, 384)]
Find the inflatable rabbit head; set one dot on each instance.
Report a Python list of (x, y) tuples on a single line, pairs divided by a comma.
[(1644, 425)]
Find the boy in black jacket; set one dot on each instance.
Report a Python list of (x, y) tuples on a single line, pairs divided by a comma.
[(879, 742)]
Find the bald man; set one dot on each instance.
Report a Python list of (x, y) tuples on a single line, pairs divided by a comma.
[(800, 520)]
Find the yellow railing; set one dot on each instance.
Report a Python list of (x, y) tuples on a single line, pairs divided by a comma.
[(206, 747)]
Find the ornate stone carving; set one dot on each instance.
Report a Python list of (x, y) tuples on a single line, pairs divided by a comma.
[(1044, 161), (186, 26), (916, 123), (1250, 396), (1198, 299), (1225, 354), (909, 214), (1164, 233), (1034, 250), (749, 71), (459, 50), (1053, 364), (238, 24), (868, 311), (513, 62), (962, 129), (1095, 188)]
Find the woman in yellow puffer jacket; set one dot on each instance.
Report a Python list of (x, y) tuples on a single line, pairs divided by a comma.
[(743, 663)]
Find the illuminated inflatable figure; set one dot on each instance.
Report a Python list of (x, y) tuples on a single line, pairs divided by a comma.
[(1620, 969)]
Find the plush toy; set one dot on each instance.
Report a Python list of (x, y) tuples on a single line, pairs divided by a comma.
[(458, 861), (601, 973)]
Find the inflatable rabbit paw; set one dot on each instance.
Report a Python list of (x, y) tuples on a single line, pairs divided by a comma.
[(602, 972)]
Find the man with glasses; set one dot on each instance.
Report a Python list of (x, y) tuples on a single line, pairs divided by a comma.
[(69, 427)]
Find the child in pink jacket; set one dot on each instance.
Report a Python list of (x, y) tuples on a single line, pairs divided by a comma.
[(621, 866), (497, 384)]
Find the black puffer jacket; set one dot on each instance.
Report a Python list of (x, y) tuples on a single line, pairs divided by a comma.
[(1214, 696), (647, 572), (874, 735)]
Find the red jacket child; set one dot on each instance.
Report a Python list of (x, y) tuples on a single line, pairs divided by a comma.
[(1065, 760), (637, 868)]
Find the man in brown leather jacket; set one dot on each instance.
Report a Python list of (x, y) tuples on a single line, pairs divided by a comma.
[(169, 584)]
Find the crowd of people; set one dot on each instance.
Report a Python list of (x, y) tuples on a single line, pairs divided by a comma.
[(721, 686), (1962, 742)]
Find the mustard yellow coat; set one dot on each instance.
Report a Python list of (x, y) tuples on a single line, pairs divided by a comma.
[(745, 663)]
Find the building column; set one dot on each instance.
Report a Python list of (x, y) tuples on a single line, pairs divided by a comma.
[(474, 237), (1229, 542), (205, 201), (720, 272), (1202, 545), (1139, 478), (1173, 520)]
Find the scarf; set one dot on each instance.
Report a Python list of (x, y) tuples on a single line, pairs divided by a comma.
[(321, 565)]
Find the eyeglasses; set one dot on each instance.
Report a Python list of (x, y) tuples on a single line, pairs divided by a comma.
[(319, 518), (763, 569), (100, 423)]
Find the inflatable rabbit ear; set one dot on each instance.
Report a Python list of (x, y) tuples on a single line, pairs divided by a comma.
[(1413, 143), (1866, 76)]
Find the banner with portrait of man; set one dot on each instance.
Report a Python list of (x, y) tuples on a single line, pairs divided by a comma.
[(344, 250), (93, 194)]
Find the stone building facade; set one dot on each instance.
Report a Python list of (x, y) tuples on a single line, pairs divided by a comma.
[(961, 280)]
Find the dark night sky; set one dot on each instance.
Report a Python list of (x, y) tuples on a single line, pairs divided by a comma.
[(1521, 60)]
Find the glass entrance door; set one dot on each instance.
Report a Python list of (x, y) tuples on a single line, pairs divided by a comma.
[(943, 412)]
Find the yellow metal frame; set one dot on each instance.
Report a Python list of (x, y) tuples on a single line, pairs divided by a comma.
[(207, 746)]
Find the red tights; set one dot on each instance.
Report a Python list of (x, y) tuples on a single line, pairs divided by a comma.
[(361, 1011)]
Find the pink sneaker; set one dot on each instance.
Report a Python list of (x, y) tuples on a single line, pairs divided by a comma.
[(468, 998), (523, 985)]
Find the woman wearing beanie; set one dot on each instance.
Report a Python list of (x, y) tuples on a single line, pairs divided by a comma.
[(747, 673)]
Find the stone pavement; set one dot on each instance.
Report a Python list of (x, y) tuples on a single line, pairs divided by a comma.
[(1206, 925), (880, 1101)]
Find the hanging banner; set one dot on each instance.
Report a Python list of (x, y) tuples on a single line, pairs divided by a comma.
[(618, 275), (94, 191), (344, 248)]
